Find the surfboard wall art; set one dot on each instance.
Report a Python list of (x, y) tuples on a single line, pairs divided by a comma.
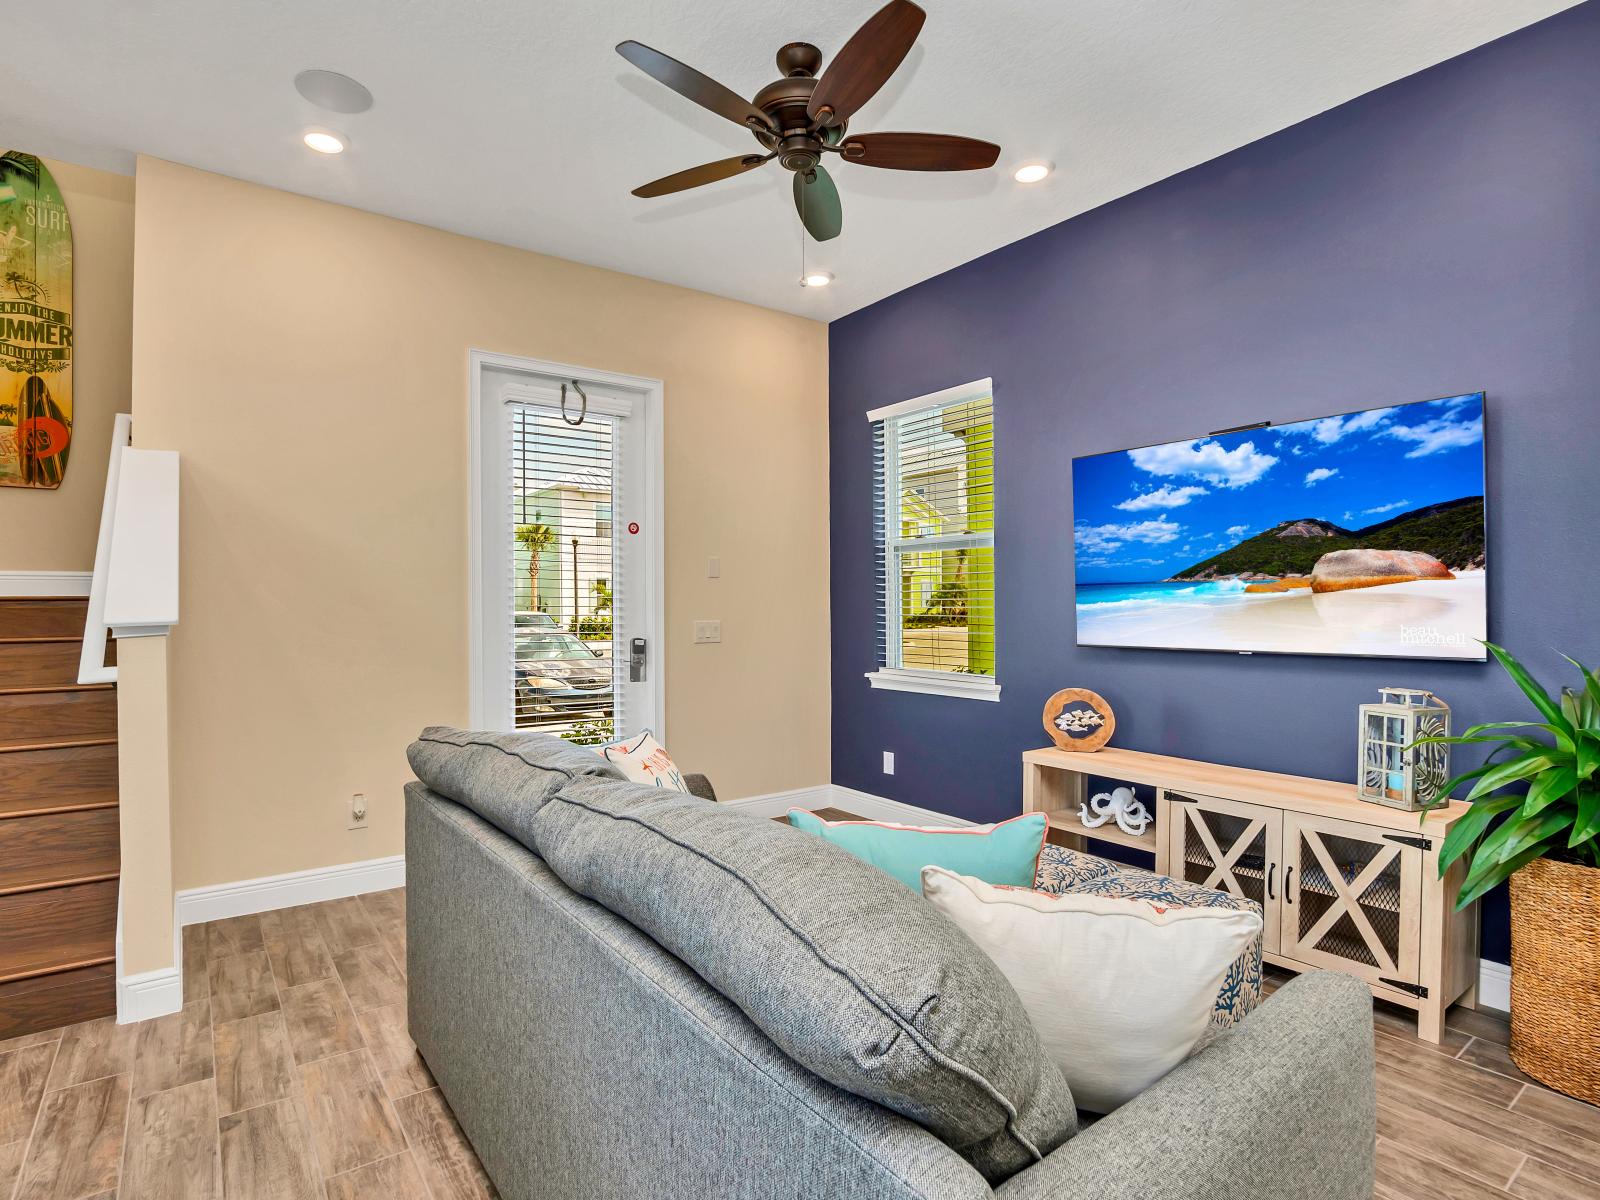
[(35, 325)]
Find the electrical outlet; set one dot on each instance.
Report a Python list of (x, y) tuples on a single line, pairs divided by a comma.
[(358, 812), (706, 632), (888, 762)]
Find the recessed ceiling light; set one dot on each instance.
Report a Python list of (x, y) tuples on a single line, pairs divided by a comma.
[(817, 279), (324, 142), (333, 91), (1031, 172)]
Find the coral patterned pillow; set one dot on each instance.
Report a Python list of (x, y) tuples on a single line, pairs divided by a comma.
[(643, 760)]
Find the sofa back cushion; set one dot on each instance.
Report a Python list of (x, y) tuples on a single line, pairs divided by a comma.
[(852, 975), (503, 777)]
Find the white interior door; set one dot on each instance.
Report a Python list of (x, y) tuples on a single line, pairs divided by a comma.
[(567, 552)]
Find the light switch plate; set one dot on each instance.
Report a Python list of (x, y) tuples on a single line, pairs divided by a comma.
[(888, 762), (706, 632), (713, 568)]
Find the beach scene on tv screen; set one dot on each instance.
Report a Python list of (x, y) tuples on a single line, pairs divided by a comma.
[(1360, 534)]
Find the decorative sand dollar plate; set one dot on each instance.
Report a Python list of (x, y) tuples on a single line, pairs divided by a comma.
[(1078, 719), (35, 325)]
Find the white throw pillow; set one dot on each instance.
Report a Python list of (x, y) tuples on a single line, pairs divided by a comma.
[(1119, 990), (643, 760)]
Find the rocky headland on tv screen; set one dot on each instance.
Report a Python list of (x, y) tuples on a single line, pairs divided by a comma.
[(1451, 533)]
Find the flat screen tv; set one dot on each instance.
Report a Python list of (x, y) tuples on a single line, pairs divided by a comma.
[(1359, 534)]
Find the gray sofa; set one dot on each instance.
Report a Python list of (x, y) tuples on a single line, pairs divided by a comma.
[(584, 1060)]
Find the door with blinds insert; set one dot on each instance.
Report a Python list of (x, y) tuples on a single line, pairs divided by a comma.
[(568, 641)]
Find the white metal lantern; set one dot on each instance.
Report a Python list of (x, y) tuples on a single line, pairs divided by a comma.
[(1389, 773)]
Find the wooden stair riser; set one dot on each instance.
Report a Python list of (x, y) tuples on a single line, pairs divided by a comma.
[(56, 848), (59, 822), (51, 1001), (58, 929), (42, 617), (64, 777), (45, 716), (44, 662)]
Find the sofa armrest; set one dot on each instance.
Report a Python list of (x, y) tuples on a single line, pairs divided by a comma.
[(1284, 1105), (699, 785)]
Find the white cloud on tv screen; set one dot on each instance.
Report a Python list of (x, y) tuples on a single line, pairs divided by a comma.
[(1206, 461), (1163, 497)]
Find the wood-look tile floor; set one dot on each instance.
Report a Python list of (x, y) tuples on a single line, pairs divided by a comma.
[(289, 1076), (1458, 1121)]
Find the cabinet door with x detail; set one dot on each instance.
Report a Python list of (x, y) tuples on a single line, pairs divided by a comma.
[(1350, 899), (1229, 846)]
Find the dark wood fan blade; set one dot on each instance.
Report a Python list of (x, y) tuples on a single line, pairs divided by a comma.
[(692, 85), (817, 201), (705, 173), (919, 151), (866, 61)]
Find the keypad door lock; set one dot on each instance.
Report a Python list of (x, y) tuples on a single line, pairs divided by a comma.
[(636, 649)]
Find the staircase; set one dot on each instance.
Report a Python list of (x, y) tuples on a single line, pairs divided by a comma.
[(59, 855)]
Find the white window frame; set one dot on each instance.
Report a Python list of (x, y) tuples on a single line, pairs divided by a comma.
[(487, 515), (904, 679)]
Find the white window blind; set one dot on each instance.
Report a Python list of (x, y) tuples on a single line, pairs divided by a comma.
[(933, 512), (564, 573)]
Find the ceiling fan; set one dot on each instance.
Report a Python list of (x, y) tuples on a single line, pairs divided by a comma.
[(803, 116)]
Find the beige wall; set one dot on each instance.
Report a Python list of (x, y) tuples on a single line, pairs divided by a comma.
[(144, 755), (310, 363), (55, 530)]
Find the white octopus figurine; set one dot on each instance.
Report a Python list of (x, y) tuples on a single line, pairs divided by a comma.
[(1131, 815)]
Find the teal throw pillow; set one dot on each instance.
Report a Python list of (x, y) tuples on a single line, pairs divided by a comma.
[(1006, 854)]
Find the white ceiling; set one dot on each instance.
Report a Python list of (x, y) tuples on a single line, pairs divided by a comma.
[(514, 120)]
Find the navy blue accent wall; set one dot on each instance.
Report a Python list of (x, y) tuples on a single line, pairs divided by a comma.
[(1438, 236)]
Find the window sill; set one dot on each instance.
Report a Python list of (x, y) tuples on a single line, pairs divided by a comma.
[(965, 687)]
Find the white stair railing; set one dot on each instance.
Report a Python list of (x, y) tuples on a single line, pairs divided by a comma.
[(92, 663), (134, 592)]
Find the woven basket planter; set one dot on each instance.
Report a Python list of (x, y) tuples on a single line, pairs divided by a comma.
[(1555, 975)]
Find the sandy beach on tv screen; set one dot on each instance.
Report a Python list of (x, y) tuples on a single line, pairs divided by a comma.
[(1435, 618)]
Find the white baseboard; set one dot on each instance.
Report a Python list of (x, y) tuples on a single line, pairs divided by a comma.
[(151, 994), (833, 795), (15, 584), (213, 903), (1494, 985), (775, 804), (881, 808)]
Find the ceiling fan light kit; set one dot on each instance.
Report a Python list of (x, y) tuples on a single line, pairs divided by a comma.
[(802, 116)]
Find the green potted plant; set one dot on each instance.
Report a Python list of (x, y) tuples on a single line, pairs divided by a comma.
[(1547, 845)]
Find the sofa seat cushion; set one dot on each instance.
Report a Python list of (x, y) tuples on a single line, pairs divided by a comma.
[(503, 777), (852, 975)]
